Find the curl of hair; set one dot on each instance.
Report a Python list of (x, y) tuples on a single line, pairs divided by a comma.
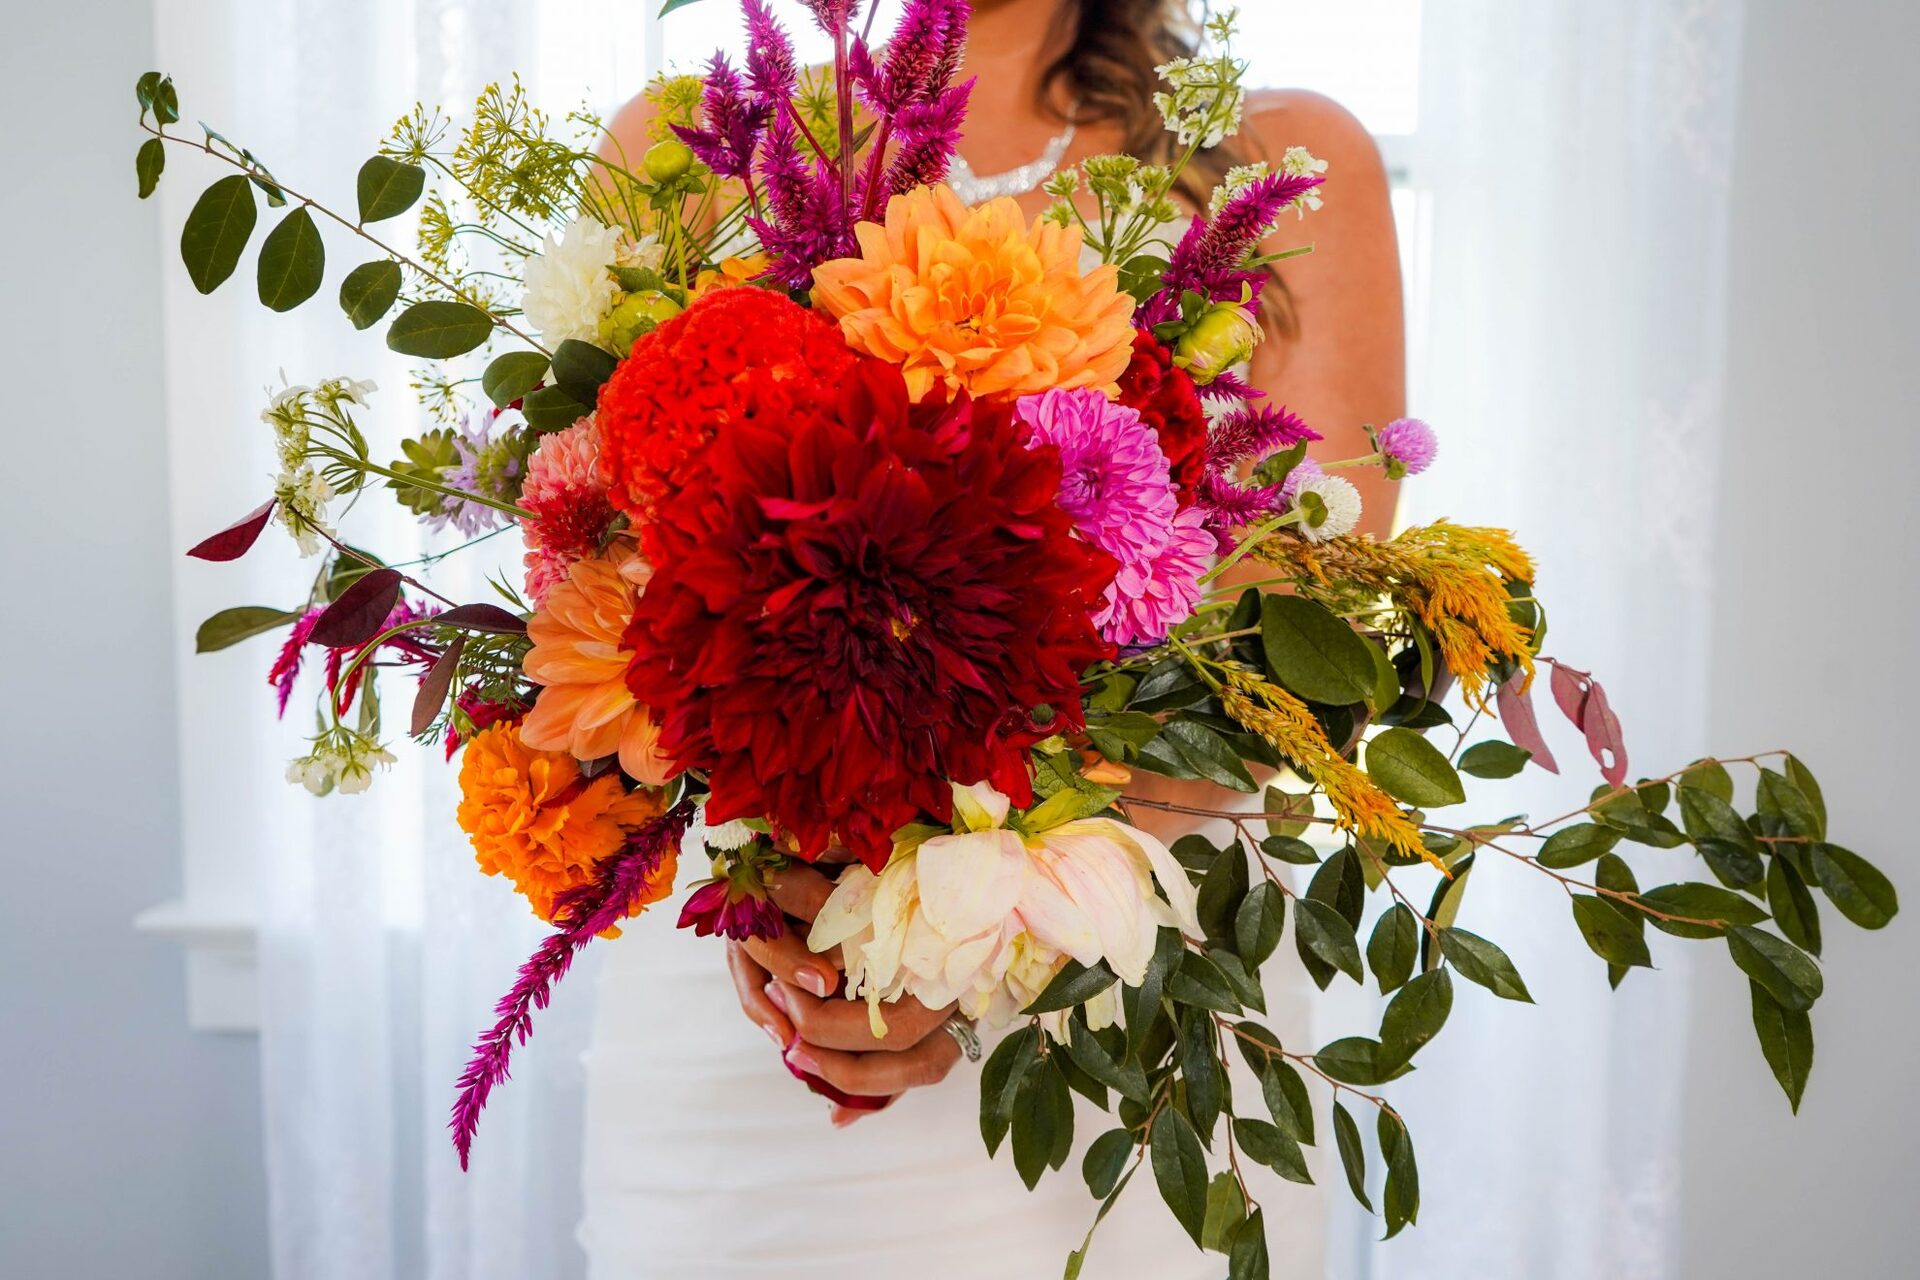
[(1107, 69)]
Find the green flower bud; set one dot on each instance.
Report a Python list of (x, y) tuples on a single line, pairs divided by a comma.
[(1220, 339), (668, 161), (637, 314)]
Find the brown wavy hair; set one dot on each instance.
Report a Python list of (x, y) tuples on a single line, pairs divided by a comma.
[(1107, 69)]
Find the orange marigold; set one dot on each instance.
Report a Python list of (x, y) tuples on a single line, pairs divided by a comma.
[(978, 300), (585, 708), (534, 819)]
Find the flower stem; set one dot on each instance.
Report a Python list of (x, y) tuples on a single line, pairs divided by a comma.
[(1251, 541)]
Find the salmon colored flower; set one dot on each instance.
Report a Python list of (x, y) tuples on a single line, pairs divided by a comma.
[(578, 656), (978, 300), (534, 819), (987, 916)]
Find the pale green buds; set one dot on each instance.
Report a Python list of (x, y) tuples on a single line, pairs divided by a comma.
[(1220, 339), (636, 315), (668, 161)]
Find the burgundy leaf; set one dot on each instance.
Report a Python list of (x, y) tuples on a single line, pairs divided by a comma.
[(1602, 728), (1515, 701), (1570, 692), (357, 615), (490, 618), (237, 538), (433, 689)]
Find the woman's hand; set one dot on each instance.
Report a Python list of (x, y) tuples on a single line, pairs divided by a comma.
[(789, 992)]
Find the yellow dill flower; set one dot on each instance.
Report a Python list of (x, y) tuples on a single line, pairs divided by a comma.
[(675, 99), (1359, 805), (1452, 578)]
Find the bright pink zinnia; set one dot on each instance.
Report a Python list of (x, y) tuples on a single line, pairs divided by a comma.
[(1156, 589), (567, 491), (1116, 484)]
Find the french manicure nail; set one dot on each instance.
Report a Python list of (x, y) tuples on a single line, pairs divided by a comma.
[(779, 1041), (814, 981), (800, 1058), (843, 1117), (778, 997)]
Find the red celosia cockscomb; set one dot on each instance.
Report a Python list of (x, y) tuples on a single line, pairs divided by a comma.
[(734, 356), (1167, 401), (849, 610)]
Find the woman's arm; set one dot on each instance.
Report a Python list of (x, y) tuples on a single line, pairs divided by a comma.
[(1345, 367)]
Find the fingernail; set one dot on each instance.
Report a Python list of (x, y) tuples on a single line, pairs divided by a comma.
[(778, 997), (779, 1041), (800, 1058), (844, 1116), (814, 981)]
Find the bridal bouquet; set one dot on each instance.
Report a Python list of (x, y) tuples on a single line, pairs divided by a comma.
[(858, 521)]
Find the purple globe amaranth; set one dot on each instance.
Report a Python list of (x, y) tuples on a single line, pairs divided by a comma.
[(1408, 447)]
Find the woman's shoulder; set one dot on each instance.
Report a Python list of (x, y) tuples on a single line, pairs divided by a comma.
[(1277, 119)]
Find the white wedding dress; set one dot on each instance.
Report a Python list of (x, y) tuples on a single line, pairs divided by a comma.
[(705, 1160)]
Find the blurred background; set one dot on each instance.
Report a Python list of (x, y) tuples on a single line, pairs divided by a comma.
[(1660, 271)]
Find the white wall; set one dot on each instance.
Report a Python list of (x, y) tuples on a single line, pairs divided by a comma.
[(129, 1146), (1815, 620)]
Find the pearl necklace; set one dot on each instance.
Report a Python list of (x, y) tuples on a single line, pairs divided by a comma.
[(973, 189)]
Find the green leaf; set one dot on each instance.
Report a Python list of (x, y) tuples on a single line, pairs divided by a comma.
[(1180, 1168), (1793, 907), (671, 5), (1783, 801), (1206, 755), (1074, 984), (1288, 814), (1357, 1060), (1353, 1156), (439, 330), (243, 622), (1285, 1092), (1042, 1109), (1610, 933), (217, 230), (1315, 653), (1627, 812), (1575, 845), (387, 188), (1855, 886), (1400, 1200), (148, 164), (1394, 948), (1272, 1148), (580, 369), (1198, 981), (1708, 817), (1226, 1210), (1782, 968), (1000, 1081), (551, 409), (1494, 759), (1258, 923), (1105, 1161), (1481, 961), (369, 292), (1221, 892), (1412, 769), (1710, 776), (1325, 933), (292, 262), (1247, 1259), (1699, 902), (1288, 849), (1415, 1016), (1809, 787), (1092, 1056), (1142, 1002), (1444, 908), (1786, 1040), (1121, 736), (1200, 1070), (1735, 865)]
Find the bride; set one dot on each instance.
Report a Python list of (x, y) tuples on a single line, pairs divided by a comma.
[(704, 1158)]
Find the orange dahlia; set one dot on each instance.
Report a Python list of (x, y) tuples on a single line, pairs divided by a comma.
[(978, 300), (534, 819), (578, 656)]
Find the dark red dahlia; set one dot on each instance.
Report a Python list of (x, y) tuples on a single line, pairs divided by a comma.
[(736, 355), (849, 609), (1168, 402)]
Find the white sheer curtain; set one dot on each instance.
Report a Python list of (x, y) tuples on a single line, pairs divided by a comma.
[(381, 950), (1574, 158)]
